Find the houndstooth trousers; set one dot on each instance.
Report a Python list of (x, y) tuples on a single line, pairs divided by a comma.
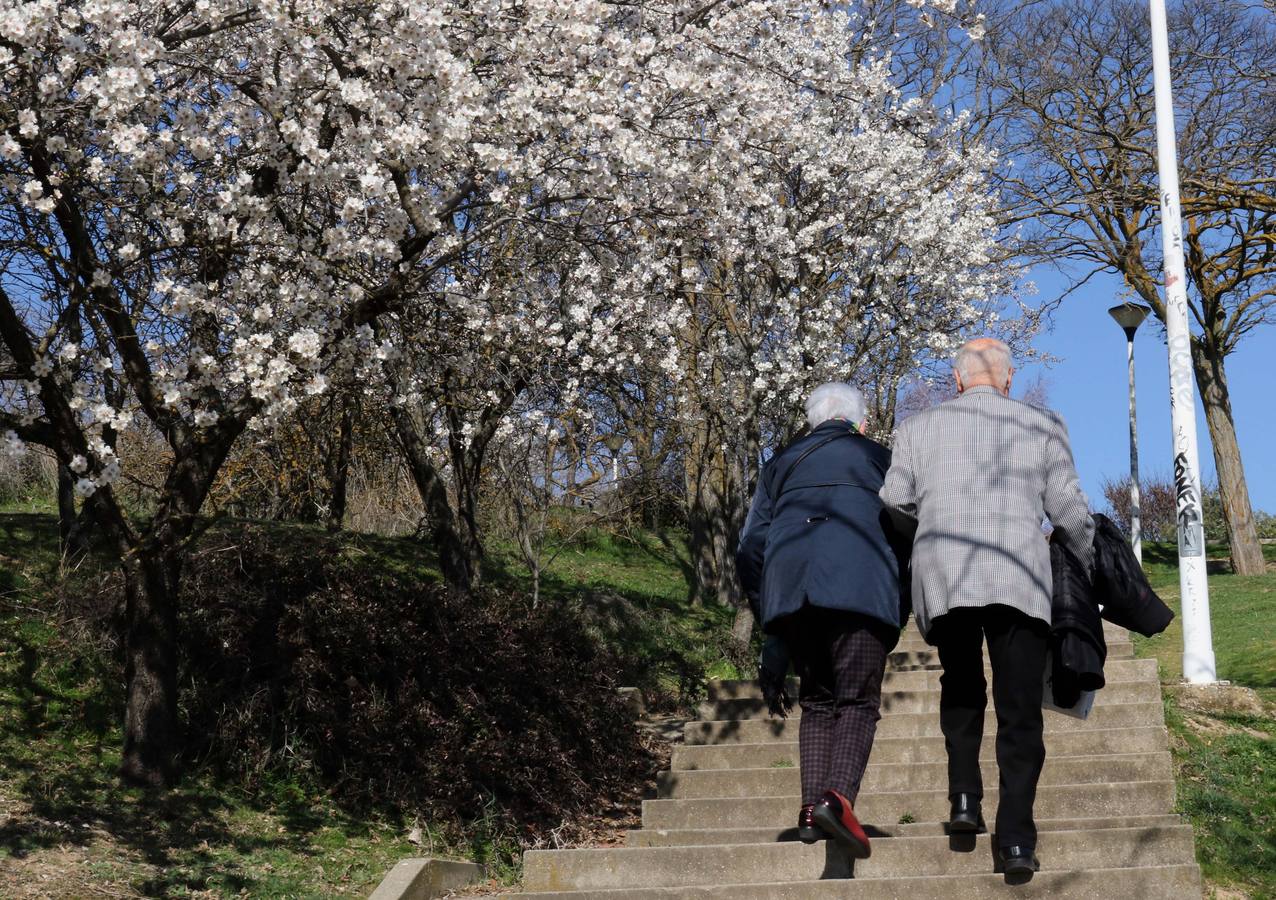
[(840, 657)]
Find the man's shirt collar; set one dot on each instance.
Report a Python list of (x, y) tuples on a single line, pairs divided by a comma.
[(980, 389)]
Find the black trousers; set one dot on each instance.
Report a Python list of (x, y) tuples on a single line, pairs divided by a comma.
[(840, 657), (1017, 652)]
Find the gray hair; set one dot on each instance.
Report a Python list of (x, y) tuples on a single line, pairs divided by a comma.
[(983, 357), (835, 400)]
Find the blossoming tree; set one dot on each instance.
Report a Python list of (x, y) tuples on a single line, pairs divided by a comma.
[(209, 211)]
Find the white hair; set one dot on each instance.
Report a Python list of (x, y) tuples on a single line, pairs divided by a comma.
[(983, 357), (835, 400)]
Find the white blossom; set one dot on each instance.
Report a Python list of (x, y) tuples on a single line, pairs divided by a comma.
[(13, 446), (305, 343), (549, 192)]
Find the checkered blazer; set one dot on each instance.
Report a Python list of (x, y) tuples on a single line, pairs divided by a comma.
[(977, 475)]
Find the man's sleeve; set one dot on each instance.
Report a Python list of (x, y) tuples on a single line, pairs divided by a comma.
[(1064, 502), (751, 552), (899, 490)]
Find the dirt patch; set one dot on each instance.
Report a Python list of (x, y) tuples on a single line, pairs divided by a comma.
[(1217, 892), (1206, 726), (1218, 698), (67, 871)]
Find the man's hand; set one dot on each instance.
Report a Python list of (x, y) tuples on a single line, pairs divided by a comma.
[(773, 666)]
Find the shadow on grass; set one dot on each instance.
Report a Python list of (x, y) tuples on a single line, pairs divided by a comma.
[(60, 703), (186, 834), (204, 834)]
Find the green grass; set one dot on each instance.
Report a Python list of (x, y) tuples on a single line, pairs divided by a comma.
[(635, 587), (1242, 619), (1226, 786), (1225, 761), (67, 828)]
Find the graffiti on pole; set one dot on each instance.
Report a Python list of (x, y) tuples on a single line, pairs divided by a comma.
[(1191, 526), (1181, 372)]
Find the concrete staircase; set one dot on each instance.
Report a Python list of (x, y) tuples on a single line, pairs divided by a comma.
[(723, 825)]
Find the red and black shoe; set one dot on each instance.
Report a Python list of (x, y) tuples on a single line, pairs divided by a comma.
[(833, 814), (808, 831)]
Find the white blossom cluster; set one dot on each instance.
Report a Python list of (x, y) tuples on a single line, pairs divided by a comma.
[(217, 209)]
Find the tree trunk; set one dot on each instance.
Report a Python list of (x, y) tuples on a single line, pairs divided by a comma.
[(714, 515), (701, 513), (339, 478), (66, 508), (150, 718), (444, 536), (741, 637), (152, 570), (74, 528), (468, 485), (1247, 553)]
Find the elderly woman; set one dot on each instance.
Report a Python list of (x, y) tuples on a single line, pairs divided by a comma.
[(823, 570)]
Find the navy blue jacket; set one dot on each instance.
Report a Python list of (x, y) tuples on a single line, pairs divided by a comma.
[(817, 532)]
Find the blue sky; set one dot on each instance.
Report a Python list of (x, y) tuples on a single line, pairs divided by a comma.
[(1088, 386)]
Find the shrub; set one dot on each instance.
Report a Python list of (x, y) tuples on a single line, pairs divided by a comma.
[(1158, 508), (304, 659)]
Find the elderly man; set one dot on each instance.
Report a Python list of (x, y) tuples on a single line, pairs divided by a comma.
[(819, 560), (978, 475)]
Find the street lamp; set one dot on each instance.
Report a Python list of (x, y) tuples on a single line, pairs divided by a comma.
[(1130, 316), (613, 442)]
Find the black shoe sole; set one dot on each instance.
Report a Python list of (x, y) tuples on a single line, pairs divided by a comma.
[(809, 834), (828, 822), (964, 825), (1019, 865)]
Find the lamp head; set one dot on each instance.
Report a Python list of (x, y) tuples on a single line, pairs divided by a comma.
[(1129, 316)]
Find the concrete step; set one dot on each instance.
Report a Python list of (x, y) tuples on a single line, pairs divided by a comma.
[(745, 783), (1057, 801), (621, 867), (927, 679), (923, 701), (701, 837), (916, 750), (922, 724), (923, 656), (1169, 882)]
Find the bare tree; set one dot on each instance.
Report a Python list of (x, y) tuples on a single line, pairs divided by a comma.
[(1071, 82)]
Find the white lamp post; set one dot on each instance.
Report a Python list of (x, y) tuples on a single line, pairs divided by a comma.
[(1130, 316), (1198, 642)]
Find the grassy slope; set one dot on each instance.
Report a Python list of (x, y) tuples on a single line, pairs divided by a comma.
[(1242, 616), (656, 621), (1225, 760), (67, 828)]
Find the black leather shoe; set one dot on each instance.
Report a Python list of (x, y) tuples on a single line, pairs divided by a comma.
[(1018, 860), (965, 816), (808, 831)]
